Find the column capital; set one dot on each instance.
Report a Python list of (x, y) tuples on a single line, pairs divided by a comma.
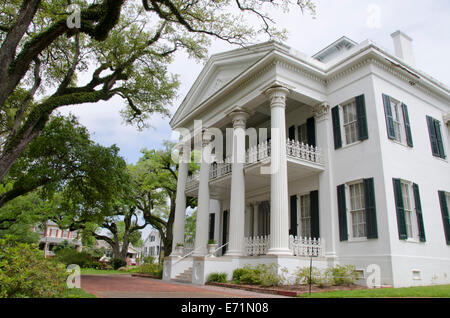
[(321, 110), (447, 119), (239, 117), (277, 95)]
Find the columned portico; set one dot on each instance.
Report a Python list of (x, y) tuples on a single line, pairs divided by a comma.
[(201, 229), (180, 203), (237, 200), (279, 216)]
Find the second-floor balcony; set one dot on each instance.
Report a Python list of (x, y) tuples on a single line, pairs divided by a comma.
[(302, 160)]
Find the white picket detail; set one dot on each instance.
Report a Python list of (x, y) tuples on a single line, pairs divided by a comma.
[(308, 247), (257, 245)]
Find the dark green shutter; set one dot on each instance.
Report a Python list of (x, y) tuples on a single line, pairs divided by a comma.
[(433, 137), (292, 133), (293, 230), (212, 219), (401, 222), (342, 213), (311, 131), (314, 204), (407, 125), (371, 211), (418, 206), (388, 115), (440, 145), (445, 215), (363, 133), (336, 127)]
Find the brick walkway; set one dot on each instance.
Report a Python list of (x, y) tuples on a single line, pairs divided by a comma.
[(126, 286)]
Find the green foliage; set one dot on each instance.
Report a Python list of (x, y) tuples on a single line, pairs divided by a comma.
[(148, 260), (343, 275), (24, 272), (63, 245), (69, 256), (151, 268), (217, 277), (118, 263), (337, 275), (261, 274)]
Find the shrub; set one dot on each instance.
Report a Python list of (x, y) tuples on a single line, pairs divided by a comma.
[(152, 268), (63, 245), (217, 277), (264, 275), (343, 275), (148, 260), (69, 256), (117, 263), (25, 273)]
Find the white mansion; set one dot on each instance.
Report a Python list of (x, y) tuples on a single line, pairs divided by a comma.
[(359, 139)]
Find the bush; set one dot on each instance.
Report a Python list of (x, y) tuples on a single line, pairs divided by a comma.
[(217, 277), (343, 275), (69, 256), (117, 263), (314, 276), (152, 268), (63, 245), (264, 275), (148, 260), (337, 275), (25, 273)]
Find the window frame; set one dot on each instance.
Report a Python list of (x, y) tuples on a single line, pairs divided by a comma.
[(344, 125), (350, 223), (299, 216), (412, 211)]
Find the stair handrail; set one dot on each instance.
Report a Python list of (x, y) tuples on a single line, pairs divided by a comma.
[(190, 253), (219, 248)]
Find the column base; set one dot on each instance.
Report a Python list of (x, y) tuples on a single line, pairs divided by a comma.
[(279, 252), (234, 253)]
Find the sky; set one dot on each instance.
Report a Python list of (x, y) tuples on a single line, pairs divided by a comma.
[(426, 21)]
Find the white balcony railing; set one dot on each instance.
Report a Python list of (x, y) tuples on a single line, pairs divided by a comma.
[(257, 245), (306, 247), (303, 246), (258, 153)]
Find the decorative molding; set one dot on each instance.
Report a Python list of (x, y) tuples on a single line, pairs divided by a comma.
[(320, 111), (298, 70), (277, 96), (446, 119)]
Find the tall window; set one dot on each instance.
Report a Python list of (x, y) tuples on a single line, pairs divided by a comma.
[(407, 204), (437, 144), (303, 133), (398, 122), (350, 122), (357, 210), (305, 216)]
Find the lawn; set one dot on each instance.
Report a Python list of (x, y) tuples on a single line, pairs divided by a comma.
[(428, 291), (92, 271), (78, 293)]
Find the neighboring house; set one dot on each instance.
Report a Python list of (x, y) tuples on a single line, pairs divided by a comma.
[(359, 141), (133, 253), (153, 245), (52, 235)]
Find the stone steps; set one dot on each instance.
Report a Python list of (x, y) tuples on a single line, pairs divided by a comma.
[(184, 277)]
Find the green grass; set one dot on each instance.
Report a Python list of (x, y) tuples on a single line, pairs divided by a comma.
[(78, 293), (428, 291), (92, 271)]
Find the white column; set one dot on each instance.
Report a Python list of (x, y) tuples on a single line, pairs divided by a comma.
[(237, 200), (255, 219), (279, 216), (180, 203), (201, 227), (327, 201)]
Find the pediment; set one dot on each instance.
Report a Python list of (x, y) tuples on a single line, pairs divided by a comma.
[(220, 70)]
